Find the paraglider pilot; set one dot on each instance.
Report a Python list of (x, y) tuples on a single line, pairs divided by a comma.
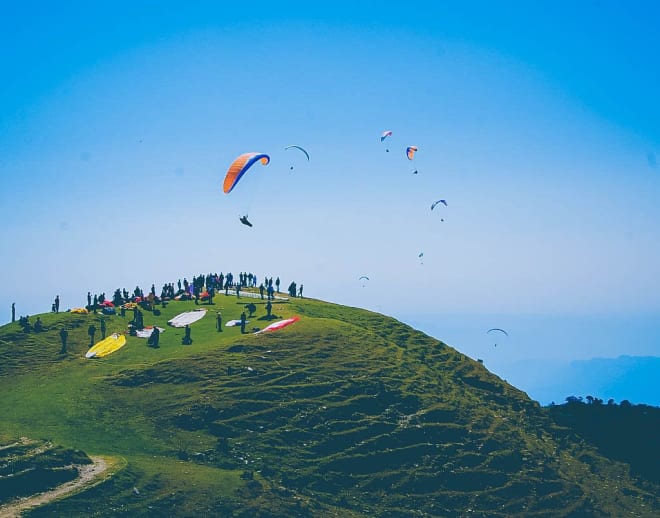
[(245, 221)]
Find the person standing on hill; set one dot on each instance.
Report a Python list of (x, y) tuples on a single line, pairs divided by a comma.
[(103, 329), (269, 308), (243, 318), (57, 304), (91, 331), (277, 284), (261, 290), (154, 338), (89, 300), (186, 338), (218, 322), (300, 291), (63, 336), (13, 311)]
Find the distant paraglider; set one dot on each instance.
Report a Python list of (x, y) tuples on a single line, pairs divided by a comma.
[(239, 167), (443, 202), (383, 136), (410, 153), (245, 221), (363, 278), (420, 256), (299, 148), (497, 330)]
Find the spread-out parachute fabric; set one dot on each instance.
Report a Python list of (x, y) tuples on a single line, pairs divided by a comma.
[(298, 147), (410, 152), (385, 135), (444, 202), (239, 167), (280, 324), (497, 329), (187, 318)]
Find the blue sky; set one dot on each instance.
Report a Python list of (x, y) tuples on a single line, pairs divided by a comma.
[(537, 121)]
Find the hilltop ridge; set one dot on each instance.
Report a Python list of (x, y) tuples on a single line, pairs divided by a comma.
[(347, 412)]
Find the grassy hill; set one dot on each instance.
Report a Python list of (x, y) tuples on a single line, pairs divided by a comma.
[(345, 413)]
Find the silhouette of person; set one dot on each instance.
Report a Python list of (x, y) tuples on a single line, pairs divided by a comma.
[(13, 311), (245, 221), (243, 318), (38, 326), (89, 300), (154, 338), (91, 331), (269, 308), (277, 284), (300, 290), (186, 338), (63, 336), (102, 329), (261, 290), (57, 304), (218, 322), (251, 309)]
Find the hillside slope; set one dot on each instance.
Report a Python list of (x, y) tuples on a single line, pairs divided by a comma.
[(345, 413)]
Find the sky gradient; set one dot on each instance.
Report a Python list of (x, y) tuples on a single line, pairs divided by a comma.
[(536, 121)]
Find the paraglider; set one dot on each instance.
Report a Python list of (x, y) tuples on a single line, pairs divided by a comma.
[(497, 329), (410, 153), (384, 135), (363, 278), (240, 166), (245, 221), (443, 202), (299, 148), (420, 257)]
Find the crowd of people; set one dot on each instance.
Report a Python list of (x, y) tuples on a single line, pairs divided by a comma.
[(201, 288)]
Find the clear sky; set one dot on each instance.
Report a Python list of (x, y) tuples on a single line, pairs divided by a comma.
[(538, 122)]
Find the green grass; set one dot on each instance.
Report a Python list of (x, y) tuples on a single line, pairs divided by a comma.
[(345, 413)]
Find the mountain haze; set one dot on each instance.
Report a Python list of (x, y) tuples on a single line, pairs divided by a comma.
[(345, 413)]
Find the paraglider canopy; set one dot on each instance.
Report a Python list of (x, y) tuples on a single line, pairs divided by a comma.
[(410, 152), (385, 135), (275, 326), (238, 168), (298, 147), (444, 202)]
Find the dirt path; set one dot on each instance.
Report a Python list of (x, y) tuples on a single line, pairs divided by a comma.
[(90, 475)]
